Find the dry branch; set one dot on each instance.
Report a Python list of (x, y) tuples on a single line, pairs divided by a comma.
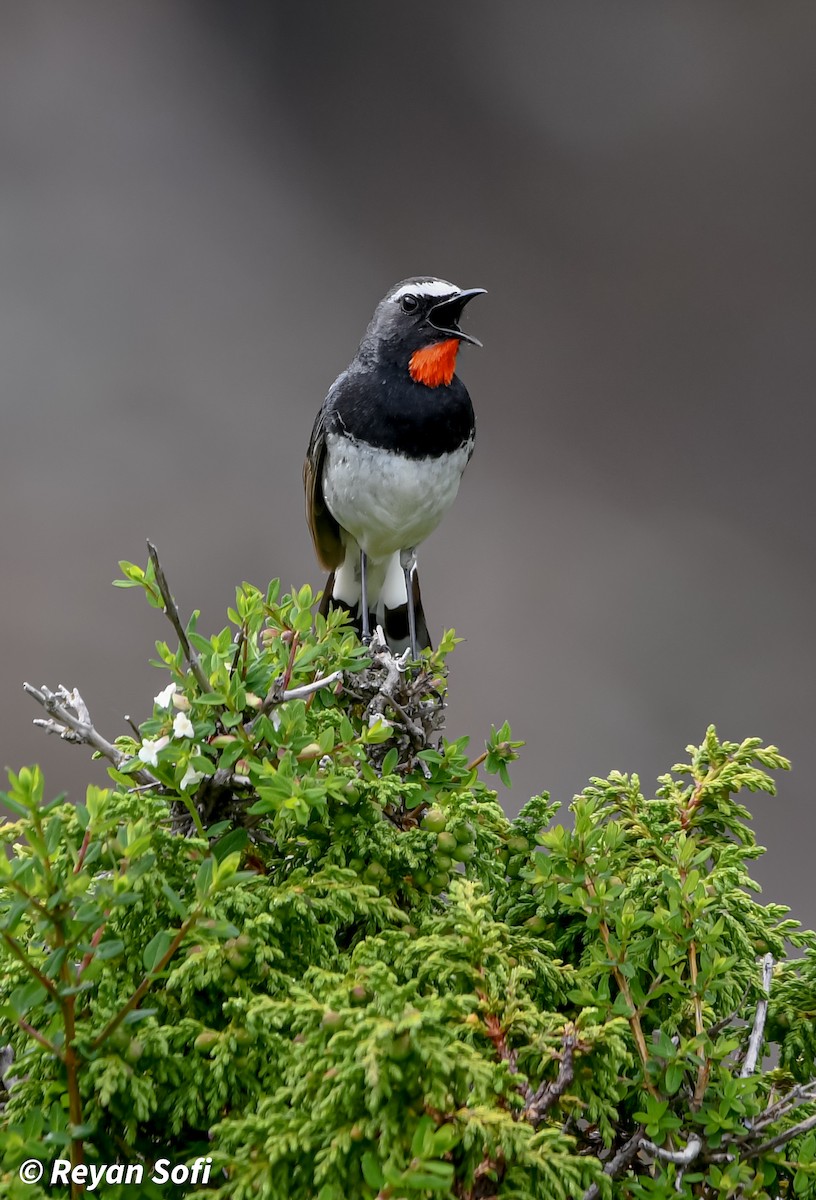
[(70, 719)]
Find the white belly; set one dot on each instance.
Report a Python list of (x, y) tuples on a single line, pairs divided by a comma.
[(386, 501)]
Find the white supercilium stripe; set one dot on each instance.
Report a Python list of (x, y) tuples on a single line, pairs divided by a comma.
[(425, 287)]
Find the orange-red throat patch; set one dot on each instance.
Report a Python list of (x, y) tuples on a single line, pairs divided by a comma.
[(434, 365)]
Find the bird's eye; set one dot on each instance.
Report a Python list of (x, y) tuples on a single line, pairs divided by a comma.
[(409, 303)]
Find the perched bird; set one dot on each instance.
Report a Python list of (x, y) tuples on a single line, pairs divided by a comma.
[(386, 455)]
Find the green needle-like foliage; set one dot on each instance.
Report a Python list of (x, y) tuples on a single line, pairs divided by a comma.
[(299, 936)]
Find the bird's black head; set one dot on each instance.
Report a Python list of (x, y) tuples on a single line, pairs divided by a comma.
[(416, 326)]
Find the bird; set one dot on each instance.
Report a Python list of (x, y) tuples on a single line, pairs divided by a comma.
[(386, 456)]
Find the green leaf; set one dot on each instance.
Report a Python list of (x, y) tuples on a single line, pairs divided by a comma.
[(390, 761), (109, 948), (14, 914), (372, 1172), (24, 998), (444, 1140), (204, 877), (233, 842), (156, 949), (138, 1014), (801, 1183), (436, 1177), (422, 1143), (175, 901), (226, 865), (674, 1077)]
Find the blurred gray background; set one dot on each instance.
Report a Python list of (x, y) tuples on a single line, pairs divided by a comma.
[(200, 204)]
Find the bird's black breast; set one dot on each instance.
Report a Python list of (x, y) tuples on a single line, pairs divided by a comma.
[(395, 413)]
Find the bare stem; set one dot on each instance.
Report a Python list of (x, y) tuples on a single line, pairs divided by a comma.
[(76, 726), (755, 1041), (172, 613), (306, 689), (290, 665), (803, 1093), (71, 1061), (495, 1032), (549, 1093), (33, 970), (619, 1163), (623, 986), (780, 1139), (704, 1068), (38, 1037), (277, 695), (149, 979), (95, 940), (683, 1158)]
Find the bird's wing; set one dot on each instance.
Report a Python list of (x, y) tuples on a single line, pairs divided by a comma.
[(324, 529)]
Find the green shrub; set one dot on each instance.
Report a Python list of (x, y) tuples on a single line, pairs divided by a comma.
[(299, 937)]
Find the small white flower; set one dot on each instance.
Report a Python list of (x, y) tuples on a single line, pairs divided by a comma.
[(378, 719), (165, 697), (182, 726), (149, 752), (189, 778)]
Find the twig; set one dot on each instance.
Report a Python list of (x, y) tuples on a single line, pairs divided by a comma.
[(71, 727), (19, 953), (290, 664), (276, 695), (683, 1158), (51, 1047), (803, 1093), (76, 726), (306, 689), (496, 1033), (416, 731), (95, 940), (382, 657), (696, 797), (172, 612), (749, 1066), (147, 981), (550, 1092), (705, 1066), (240, 643), (623, 987), (780, 1139), (83, 850), (619, 1163)]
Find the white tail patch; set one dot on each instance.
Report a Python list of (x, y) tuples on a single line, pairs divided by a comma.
[(392, 592), (385, 581)]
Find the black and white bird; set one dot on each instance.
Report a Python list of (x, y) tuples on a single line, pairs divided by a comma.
[(386, 456)]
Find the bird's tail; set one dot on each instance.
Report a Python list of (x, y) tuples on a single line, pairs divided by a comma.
[(393, 620)]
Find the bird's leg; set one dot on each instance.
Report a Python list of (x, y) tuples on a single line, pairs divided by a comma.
[(408, 560), (364, 626)]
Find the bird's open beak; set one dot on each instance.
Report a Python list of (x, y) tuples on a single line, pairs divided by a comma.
[(445, 316)]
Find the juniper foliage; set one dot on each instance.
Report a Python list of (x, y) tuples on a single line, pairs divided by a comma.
[(299, 934)]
